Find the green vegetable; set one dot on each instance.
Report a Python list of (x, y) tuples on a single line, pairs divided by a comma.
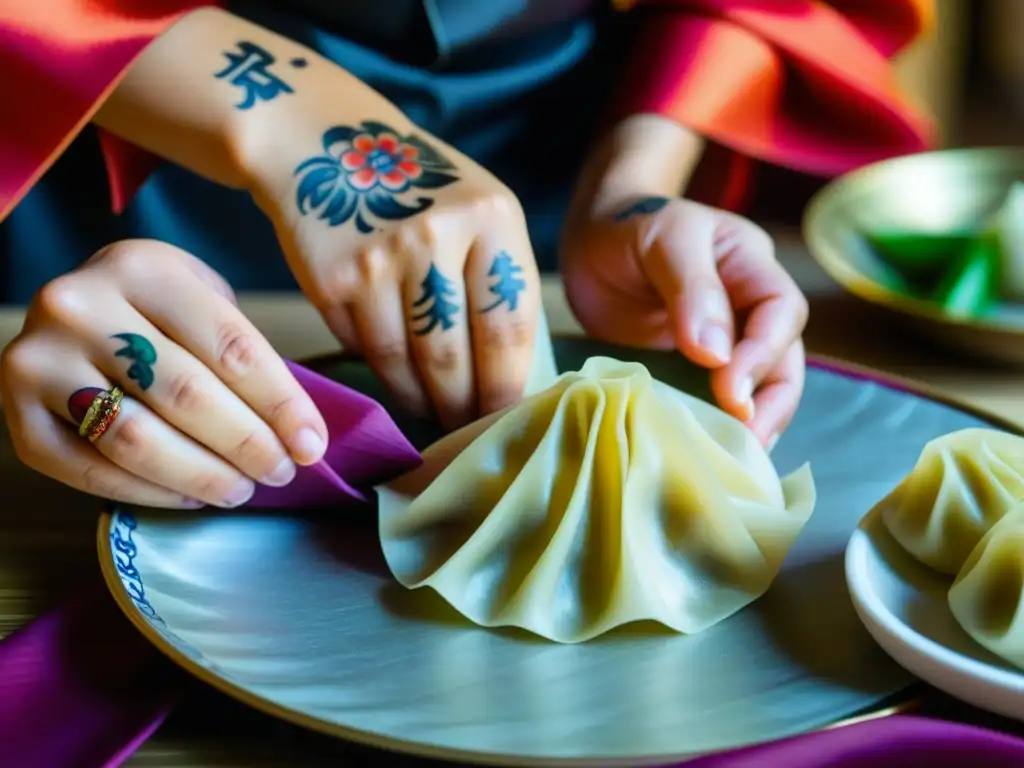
[(920, 256), (971, 284)]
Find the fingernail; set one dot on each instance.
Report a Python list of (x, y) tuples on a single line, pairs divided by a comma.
[(715, 340), (745, 394), (240, 493), (772, 441), (283, 474), (308, 446), (716, 306), (187, 503)]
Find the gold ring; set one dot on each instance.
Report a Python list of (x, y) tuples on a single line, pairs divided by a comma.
[(103, 411)]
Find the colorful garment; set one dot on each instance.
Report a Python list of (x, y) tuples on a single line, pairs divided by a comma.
[(800, 83)]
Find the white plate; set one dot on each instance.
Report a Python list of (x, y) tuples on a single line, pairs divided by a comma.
[(903, 605), (297, 615)]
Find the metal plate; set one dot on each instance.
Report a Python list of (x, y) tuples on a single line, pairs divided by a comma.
[(297, 615)]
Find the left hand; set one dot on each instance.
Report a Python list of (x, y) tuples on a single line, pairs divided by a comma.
[(671, 273)]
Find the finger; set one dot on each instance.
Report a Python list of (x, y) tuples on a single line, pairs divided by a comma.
[(380, 324), (435, 307), (680, 263), (217, 335), (777, 399), (144, 445), (340, 321), (503, 298), (775, 310), (49, 445), (128, 349)]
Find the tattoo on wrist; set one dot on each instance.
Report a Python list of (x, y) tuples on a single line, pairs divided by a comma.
[(142, 355), (438, 302), (508, 283), (362, 172), (249, 69), (642, 207)]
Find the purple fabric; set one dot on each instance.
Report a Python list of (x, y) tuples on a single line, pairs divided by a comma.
[(365, 449), (80, 687), (900, 741)]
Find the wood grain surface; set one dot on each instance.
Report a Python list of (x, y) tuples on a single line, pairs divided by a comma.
[(47, 532)]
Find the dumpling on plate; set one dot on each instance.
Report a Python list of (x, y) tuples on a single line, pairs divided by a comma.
[(962, 485), (987, 598), (608, 498)]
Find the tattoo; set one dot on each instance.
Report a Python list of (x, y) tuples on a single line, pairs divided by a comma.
[(362, 171), (249, 69), (642, 207), (80, 402), (439, 293), (509, 283), (143, 356)]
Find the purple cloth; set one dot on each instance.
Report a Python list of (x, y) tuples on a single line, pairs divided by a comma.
[(80, 687), (365, 449), (900, 741)]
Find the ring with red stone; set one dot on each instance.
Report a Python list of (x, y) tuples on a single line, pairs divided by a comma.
[(102, 410)]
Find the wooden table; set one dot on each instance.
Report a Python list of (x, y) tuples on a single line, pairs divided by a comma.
[(47, 533)]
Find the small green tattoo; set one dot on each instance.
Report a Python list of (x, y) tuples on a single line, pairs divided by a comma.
[(143, 356), (439, 293), (509, 283)]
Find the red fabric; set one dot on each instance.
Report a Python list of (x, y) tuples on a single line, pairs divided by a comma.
[(60, 59), (801, 83), (804, 84)]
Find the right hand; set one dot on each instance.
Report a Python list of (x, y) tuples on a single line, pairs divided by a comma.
[(217, 412), (416, 257)]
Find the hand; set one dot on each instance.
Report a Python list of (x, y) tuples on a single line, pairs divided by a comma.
[(209, 407), (670, 273), (416, 257)]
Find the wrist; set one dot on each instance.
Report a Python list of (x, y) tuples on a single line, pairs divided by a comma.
[(642, 156)]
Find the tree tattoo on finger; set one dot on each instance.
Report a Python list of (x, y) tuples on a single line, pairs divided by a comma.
[(362, 173), (142, 354), (642, 207), (439, 303), (508, 284)]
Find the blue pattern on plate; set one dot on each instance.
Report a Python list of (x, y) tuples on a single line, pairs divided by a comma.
[(124, 550)]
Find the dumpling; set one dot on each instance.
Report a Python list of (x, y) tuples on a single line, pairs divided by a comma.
[(606, 499), (987, 598), (962, 485)]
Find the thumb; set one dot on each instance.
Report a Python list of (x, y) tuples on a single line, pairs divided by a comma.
[(679, 261)]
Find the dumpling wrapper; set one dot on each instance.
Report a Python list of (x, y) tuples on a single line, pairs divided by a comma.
[(606, 499), (962, 485), (987, 598)]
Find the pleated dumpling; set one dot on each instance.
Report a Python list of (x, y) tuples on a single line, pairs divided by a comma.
[(606, 499), (987, 598), (962, 485)]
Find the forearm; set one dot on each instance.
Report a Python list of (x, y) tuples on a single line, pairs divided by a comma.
[(186, 97), (642, 156)]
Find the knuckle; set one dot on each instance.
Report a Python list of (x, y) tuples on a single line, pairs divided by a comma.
[(186, 392), (17, 361), (758, 239), (501, 203), (373, 263), (96, 481), (238, 352), (802, 309), (386, 351), (256, 449), (62, 299), (514, 332), (127, 442), (444, 357)]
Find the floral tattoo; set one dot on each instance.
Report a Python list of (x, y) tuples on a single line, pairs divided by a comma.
[(362, 173)]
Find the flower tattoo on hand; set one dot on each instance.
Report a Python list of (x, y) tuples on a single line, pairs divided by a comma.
[(363, 170)]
